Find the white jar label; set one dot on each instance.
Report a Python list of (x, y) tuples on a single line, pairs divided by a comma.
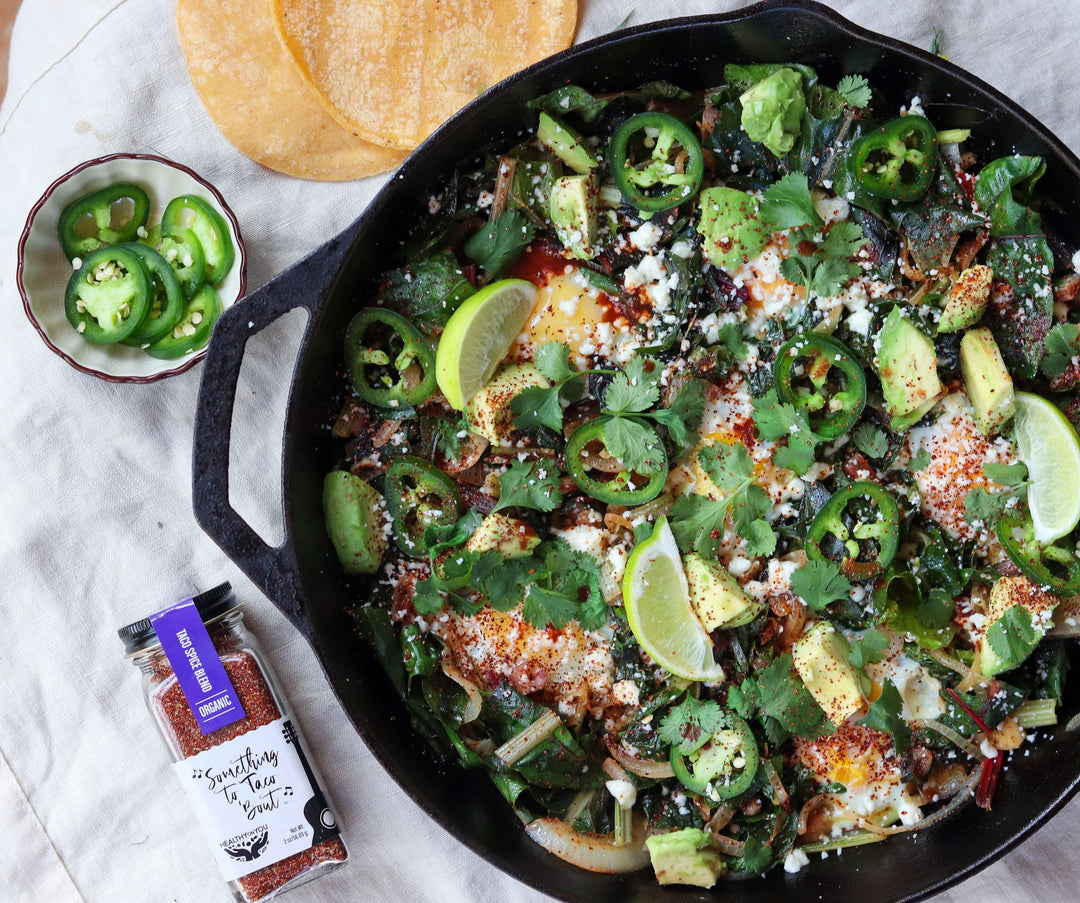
[(257, 798)]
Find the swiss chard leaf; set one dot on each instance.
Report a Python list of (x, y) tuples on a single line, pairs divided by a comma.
[(1022, 323), (570, 99), (500, 242), (430, 288), (932, 225), (1004, 190)]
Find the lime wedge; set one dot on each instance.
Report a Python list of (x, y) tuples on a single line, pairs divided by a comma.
[(1050, 448), (657, 602), (478, 335)]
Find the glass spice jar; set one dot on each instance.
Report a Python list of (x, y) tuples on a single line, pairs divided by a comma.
[(235, 746)]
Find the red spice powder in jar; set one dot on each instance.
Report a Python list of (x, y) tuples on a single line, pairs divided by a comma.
[(255, 688)]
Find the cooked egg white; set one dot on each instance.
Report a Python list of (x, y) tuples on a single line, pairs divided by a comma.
[(958, 453), (569, 668), (864, 762)]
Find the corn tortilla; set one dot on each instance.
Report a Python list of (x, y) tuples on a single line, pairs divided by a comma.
[(394, 70), (259, 102)]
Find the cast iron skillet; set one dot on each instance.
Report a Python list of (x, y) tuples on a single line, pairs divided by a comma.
[(303, 578)]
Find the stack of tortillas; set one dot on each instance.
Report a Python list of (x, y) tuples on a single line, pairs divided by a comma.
[(342, 89)]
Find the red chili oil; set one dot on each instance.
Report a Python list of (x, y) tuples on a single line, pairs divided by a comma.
[(262, 702)]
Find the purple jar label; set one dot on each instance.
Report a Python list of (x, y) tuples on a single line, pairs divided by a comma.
[(198, 668)]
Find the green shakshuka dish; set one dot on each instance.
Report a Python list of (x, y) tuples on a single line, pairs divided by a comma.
[(710, 462)]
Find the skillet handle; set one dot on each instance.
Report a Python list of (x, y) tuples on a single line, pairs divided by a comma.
[(272, 568)]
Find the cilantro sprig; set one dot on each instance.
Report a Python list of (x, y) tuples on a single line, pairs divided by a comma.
[(780, 701), (1062, 349), (819, 584), (855, 90), (986, 507), (777, 420), (886, 714), (821, 257), (698, 522), (627, 412), (529, 484), (554, 585), (688, 725)]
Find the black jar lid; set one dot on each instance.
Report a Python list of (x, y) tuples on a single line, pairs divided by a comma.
[(212, 604)]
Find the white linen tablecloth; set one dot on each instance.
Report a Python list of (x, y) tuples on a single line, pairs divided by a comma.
[(96, 526)]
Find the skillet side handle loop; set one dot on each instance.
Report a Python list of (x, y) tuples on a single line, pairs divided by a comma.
[(272, 568)]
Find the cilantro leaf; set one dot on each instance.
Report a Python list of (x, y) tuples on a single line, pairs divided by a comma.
[(683, 416), (756, 856), (730, 335), (920, 461), (843, 240), (885, 715), (855, 90), (776, 420), (819, 583), (1006, 474), (688, 726), (745, 699), (785, 699), (543, 607), (500, 241), (576, 574), (529, 484), (504, 586), (553, 360), (981, 505), (427, 600), (871, 440), (798, 454), (698, 523), (827, 267), (789, 203), (830, 275), (731, 468), (633, 390), (446, 434), (1062, 347), (537, 406), (1013, 637), (868, 648), (635, 444), (749, 506), (728, 466), (760, 538)]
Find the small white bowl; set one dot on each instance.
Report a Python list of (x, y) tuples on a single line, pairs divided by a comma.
[(43, 271)]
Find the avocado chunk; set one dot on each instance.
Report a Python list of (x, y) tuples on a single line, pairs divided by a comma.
[(730, 227), (685, 856), (566, 144), (355, 517), (717, 597), (573, 210), (1025, 628), (489, 411), (907, 365), (967, 299), (987, 380), (498, 532), (772, 110), (821, 658)]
